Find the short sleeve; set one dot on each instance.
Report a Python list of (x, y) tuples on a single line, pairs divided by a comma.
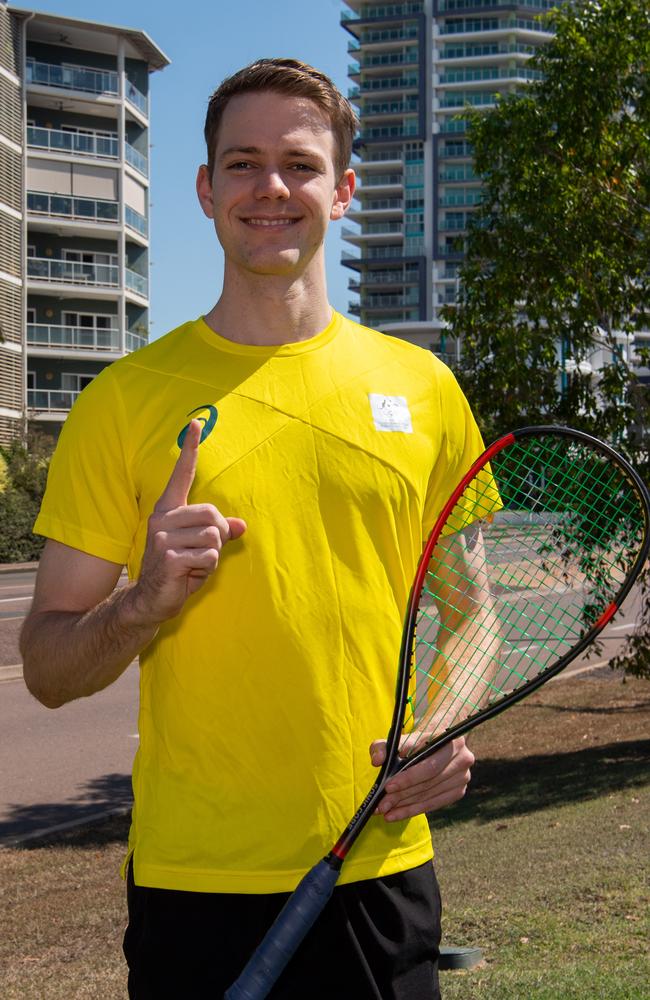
[(461, 446), (90, 501)]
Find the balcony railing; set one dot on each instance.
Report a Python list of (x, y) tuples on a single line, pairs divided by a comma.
[(389, 35), (380, 204), (384, 10), (454, 5), (68, 207), (84, 78), (135, 221), (93, 81), (72, 272), (389, 59), (379, 180), (83, 143), (51, 400), (459, 99), (379, 83), (492, 24), (56, 336), (490, 73), (471, 197), (136, 159), (137, 282), (134, 341), (136, 98), (472, 51), (455, 225), (458, 149), (389, 132), (391, 107)]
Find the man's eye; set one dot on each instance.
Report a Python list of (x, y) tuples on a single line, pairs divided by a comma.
[(239, 165), (303, 166)]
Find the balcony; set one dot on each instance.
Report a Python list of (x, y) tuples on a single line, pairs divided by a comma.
[(83, 78), (58, 337), (459, 99), (487, 24), (80, 143), (390, 132), (387, 36), (69, 207), (410, 58), (136, 282), (51, 400), (464, 172), (373, 230), (456, 5), (136, 98), (473, 196), (384, 10), (381, 83), (136, 221), (72, 272), (456, 150), (134, 341), (137, 159), (491, 49), (452, 76), (391, 108)]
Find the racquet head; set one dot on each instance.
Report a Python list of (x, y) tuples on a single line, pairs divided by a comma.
[(530, 558)]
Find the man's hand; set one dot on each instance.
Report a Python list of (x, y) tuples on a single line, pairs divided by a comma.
[(432, 784), (183, 542)]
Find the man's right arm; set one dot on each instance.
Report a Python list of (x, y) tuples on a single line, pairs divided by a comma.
[(81, 633)]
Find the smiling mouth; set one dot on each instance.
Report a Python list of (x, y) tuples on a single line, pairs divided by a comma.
[(271, 223)]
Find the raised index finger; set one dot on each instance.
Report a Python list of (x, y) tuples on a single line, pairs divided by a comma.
[(177, 489)]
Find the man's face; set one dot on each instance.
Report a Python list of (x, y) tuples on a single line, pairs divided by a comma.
[(274, 188)]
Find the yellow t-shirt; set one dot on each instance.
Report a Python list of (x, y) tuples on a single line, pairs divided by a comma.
[(259, 701)]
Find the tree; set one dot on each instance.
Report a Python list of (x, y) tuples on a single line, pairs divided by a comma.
[(555, 286)]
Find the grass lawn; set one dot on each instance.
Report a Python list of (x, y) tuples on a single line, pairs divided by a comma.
[(544, 866)]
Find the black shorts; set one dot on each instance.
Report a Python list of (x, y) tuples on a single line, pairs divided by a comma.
[(375, 940)]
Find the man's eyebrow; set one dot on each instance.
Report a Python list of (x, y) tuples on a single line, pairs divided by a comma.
[(256, 151), (240, 149)]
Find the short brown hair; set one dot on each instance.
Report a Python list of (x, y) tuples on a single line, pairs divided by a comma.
[(295, 79)]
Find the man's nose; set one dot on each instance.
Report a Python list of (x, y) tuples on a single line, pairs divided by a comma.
[(271, 184)]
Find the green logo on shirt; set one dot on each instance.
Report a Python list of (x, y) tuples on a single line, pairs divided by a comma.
[(207, 415)]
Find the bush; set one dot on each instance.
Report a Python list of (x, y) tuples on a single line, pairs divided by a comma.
[(18, 512)]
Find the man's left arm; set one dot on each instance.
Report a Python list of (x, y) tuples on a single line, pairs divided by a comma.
[(468, 638)]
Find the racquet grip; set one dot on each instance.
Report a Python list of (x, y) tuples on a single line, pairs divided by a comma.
[(284, 936)]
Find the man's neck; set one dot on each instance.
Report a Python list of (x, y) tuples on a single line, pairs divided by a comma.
[(266, 310)]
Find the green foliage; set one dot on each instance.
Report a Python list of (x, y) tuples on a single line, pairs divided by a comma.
[(26, 475), (556, 282)]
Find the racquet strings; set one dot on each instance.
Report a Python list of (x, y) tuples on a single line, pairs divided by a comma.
[(535, 550)]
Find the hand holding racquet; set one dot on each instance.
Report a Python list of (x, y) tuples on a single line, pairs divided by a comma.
[(529, 559)]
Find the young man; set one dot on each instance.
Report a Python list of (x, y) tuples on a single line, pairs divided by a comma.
[(267, 663)]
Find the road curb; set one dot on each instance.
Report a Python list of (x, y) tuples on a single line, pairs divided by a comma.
[(28, 567), (12, 672)]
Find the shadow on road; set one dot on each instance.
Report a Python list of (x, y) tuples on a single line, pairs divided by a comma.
[(503, 788), (103, 796)]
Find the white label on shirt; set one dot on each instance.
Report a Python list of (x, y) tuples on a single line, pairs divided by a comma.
[(390, 413)]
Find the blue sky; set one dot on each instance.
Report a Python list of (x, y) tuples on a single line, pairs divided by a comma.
[(206, 42)]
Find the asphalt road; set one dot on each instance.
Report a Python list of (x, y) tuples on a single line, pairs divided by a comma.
[(64, 767)]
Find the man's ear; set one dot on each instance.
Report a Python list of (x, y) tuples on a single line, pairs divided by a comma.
[(343, 194), (204, 191)]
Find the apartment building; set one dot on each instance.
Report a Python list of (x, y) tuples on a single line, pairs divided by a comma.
[(417, 64), (74, 207)]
